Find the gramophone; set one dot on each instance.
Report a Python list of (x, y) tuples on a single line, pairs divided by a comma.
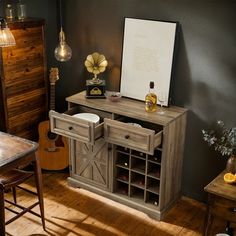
[(95, 63)]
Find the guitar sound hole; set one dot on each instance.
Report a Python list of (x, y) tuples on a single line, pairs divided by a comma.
[(51, 136), (57, 139)]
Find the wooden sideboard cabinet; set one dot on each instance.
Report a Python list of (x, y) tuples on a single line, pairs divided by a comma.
[(23, 86), (131, 156)]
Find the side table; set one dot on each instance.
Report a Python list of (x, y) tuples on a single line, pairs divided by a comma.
[(221, 201)]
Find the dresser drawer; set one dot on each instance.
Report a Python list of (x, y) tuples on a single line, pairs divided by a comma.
[(128, 135), (75, 128), (223, 208)]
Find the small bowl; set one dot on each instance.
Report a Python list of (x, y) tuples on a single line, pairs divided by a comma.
[(113, 96)]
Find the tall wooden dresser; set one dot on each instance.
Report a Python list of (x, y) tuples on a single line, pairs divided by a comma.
[(23, 84)]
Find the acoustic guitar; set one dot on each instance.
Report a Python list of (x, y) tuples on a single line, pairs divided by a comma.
[(53, 151)]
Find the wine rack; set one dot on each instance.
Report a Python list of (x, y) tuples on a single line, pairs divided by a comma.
[(137, 175)]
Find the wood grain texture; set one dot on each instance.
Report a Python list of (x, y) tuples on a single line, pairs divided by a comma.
[(123, 134), (73, 127), (172, 153), (219, 188), (70, 211), (221, 201), (53, 153), (23, 79), (13, 148), (128, 107), (163, 134), (16, 152), (91, 163)]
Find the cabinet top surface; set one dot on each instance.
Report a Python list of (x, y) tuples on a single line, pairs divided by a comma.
[(128, 107), (219, 188), (27, 22)]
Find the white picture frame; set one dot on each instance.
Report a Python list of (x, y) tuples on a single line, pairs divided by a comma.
[(148, 53)]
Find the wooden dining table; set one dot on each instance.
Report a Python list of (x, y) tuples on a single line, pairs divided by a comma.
[(16, 152)]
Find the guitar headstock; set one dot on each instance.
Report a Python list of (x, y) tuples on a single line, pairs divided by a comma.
[(54, 75)]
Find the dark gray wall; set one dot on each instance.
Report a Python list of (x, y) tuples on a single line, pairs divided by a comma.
[(204, 79)]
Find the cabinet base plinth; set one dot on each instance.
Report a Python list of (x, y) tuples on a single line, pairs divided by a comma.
[(150, 211)]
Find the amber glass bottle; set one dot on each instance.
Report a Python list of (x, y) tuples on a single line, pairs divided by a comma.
[(151, 99)]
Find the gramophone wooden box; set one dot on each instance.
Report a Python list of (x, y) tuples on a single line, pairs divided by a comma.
[(95, 90)]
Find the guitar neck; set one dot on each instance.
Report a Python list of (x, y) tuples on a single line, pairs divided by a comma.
[(52, 96)]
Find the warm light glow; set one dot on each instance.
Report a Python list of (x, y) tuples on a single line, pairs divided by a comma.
[(6, 37), (62, 52)]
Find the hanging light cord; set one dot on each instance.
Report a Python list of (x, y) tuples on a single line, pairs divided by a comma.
[(60, 13), (63, 51)]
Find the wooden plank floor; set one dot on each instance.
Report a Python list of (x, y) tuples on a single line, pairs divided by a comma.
[(71, 212)]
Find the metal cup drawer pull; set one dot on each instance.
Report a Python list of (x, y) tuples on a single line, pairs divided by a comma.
[(232, 209)]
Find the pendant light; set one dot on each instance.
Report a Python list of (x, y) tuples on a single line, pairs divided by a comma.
[(63, 51), (6, 37)]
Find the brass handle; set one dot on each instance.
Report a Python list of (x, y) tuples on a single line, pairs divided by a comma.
[(127, 136)]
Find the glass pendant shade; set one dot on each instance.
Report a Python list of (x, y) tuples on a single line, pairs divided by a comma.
[(6, 37), (62, 52)]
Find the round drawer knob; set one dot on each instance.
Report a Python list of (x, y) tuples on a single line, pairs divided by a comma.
[(70, 128), (126, 136)]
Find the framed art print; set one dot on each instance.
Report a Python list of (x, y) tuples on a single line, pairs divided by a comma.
[(148, 51)]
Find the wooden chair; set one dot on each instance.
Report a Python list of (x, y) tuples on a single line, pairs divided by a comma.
[(10, 181)]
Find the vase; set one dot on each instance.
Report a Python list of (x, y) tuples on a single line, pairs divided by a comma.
[(231, 164)]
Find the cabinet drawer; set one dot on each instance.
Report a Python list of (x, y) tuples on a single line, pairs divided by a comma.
[(75, 128), (128, 135), (223, 208)]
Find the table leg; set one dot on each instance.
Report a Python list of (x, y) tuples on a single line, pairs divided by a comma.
[(208, 218), (229, 230), (2, 213), (39, 185)]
